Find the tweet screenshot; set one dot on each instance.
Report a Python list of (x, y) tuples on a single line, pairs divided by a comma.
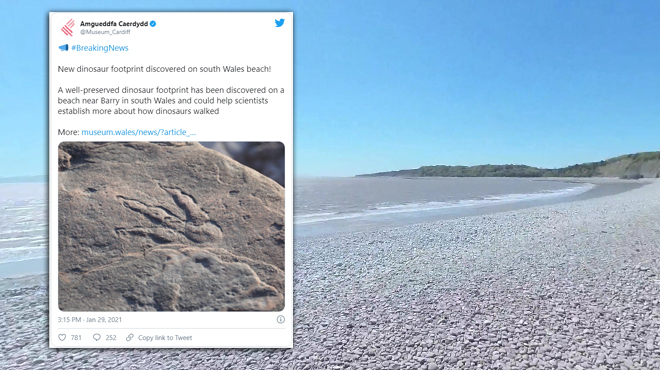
[(170, 180)]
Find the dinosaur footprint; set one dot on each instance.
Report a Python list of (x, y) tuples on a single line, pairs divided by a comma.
[(187, 223)]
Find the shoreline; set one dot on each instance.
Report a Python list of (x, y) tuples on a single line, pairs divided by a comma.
[(19, 269), (28, 268), (602, 187), (596, 180), (570, 285), (563, 285)]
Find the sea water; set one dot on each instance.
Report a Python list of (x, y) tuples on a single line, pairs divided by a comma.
[(23, 225), (339, 204)]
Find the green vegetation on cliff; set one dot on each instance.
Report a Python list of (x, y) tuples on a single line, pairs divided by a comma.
[(630, 166)]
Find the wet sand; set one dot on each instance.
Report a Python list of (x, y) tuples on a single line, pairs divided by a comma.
[(604, 187)]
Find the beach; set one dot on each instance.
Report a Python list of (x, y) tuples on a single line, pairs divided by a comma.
[(329, 206), (566, 285)]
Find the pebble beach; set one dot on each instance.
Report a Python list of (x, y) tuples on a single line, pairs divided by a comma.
[(565, 286)]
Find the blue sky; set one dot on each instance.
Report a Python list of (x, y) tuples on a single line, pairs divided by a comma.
[(388, 85)]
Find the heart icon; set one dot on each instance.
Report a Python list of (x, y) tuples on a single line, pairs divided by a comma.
[(62, 336), (97, 336)]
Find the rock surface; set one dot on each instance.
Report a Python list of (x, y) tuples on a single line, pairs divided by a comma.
[(166, 227)]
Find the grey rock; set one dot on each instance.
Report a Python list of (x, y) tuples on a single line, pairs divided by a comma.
[(167, 226)]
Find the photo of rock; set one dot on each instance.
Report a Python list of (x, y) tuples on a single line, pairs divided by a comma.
[(167, 226)]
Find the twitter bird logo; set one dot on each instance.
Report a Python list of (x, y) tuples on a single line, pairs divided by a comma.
[(279, 23)]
